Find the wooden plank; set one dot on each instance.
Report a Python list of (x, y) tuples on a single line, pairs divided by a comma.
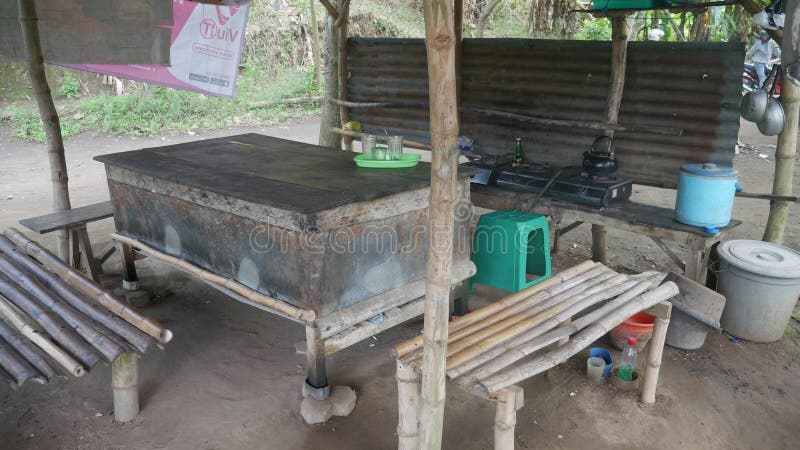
[(630, 216), (69, 219)]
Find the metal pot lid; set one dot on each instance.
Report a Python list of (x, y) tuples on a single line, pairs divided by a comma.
[(710, 170), (762, 258)]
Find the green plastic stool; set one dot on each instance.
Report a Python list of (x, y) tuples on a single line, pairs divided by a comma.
[(508, 247)]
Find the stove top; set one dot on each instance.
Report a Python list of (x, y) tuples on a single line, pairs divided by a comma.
[(567, 186)]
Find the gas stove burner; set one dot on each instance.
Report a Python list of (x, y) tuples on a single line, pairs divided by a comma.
[(587, 190), (539, 168)]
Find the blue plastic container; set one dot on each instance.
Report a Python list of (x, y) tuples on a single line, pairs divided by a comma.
[(705, 195)]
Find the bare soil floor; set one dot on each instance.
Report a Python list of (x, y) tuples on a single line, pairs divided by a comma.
[(231, 377)]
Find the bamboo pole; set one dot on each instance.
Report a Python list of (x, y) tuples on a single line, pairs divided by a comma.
[(505, 419), (306, 315), (329, 116), (584, 284), (440, 45), (522, 346), (785, 157), (315, 50), (342, 23), (408, 386), (103, 316), (10, 315), (77, 280), (580, 341), (16, 366), (48, 114), (52, 324), (654, 357), (125, 384), (610, 290), (26, 350), (478, 315)]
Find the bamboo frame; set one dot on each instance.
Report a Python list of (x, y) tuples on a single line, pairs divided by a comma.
[(305, 315), (66, 361), (405, 348), (581, 340), (408, 388), (654, 356), (341, 25), (77, 280)]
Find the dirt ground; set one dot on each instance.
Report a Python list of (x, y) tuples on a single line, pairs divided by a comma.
[(231, 376)]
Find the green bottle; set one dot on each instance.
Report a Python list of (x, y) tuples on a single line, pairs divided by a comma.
[(518, 153)]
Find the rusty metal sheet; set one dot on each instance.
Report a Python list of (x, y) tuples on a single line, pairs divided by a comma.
[(695, 87)]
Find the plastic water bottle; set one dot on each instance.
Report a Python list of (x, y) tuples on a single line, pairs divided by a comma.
[(627, 363)]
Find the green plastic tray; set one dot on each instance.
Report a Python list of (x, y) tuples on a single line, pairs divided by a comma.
[(406, 160)]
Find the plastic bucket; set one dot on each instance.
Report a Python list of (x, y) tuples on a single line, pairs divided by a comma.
[(705, 195), (761, 282), (639, 326)]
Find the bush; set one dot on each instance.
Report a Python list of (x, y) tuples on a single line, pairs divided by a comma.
[(70, 87)]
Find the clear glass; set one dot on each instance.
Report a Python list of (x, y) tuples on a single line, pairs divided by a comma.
[(594, 368), (367, 143), (395, 151), (379, 153)]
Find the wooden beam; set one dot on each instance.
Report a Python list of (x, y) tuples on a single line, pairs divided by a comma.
[(48, 114), (342, 26), (440, 43), (329, 117), (357, 134)]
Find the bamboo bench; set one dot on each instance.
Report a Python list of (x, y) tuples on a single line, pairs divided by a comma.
[(74, 222), (494, 348)]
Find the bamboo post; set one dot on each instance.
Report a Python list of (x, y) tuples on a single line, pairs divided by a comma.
[(408, 386), (329, 117), (509, 401), (125, 384), (620, 30), (315, 50), (440, 44), (342, 25), (654, 356), (48, 114), (785, 156)]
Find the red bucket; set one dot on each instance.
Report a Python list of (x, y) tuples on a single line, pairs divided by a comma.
[(639, 326)]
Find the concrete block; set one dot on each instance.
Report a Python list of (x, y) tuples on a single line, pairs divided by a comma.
[(343, 399), (316, 411)]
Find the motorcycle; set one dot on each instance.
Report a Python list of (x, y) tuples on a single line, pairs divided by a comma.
[(750, 79)]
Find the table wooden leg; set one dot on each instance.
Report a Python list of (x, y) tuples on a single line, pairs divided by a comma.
[(698, 250), (130, 280), (600, 243), (317, 381), (509, 401), (460, 294), (74, 249), (92, 264), (409, 385), (662, 316)]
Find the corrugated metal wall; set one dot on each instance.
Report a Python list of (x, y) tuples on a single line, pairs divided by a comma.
[(695, 87)]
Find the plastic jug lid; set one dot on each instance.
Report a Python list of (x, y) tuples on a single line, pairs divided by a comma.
[(763, 258), (632, 340), (710, 170)]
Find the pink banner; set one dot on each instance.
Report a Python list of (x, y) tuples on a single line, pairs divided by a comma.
[(204, 56)]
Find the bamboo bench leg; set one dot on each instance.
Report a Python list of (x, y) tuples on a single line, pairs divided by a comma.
[(654, 356), (509, 401), (408, 389), (125, 383)]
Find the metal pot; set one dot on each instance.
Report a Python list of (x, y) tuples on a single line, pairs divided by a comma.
[(774, 119), (754, 104), (600, 163)]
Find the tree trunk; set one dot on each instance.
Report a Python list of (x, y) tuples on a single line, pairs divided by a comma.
[(315, 44), (678, 27), (440, 44), (486, 12), (330, 112), (48, 113)]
